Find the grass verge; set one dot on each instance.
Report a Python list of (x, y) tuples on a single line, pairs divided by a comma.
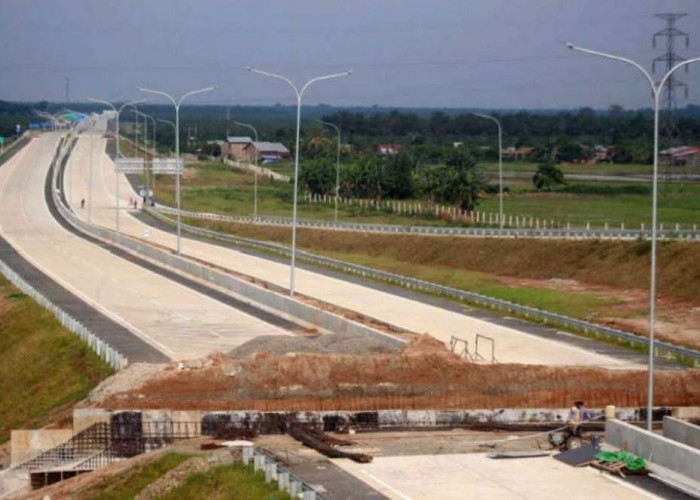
[(226, 482), (44, 368), (128, 484)]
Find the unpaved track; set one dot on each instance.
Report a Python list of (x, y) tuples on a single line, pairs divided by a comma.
[(511, 345), (178, 321)]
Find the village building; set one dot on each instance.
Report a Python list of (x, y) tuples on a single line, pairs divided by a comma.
[(243, 148), (388, 149), (688, 156), (522, 153)]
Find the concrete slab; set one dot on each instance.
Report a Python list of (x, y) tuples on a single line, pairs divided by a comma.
[(476, 476), (26, 444), (85, 417), (335, 483), (178, 321)]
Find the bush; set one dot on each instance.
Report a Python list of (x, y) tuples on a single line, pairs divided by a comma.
[(547, 176)]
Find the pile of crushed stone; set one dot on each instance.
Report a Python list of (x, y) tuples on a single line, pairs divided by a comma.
[(339, 343)]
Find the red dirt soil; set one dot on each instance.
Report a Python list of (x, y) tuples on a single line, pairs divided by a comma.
[(423, 376)]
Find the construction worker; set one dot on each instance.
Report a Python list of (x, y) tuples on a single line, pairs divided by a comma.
[(577, 415)]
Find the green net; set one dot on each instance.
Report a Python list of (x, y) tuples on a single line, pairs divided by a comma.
[(632, 462)]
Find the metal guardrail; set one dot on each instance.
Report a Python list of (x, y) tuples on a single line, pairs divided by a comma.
[(482, 232), (662, 349), (286, 480), (101, 348)]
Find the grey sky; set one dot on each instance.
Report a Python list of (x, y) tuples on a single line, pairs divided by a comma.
[(451, 53)]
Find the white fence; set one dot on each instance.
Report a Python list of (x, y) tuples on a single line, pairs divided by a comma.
[(479, 217), (481, 232)]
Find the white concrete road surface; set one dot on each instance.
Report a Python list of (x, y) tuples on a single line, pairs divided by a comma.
[(180, 322), (512, 346), (474, 475)]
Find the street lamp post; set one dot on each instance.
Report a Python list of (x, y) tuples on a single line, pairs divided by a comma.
[(145, 150), (255, 147), (299, 94), (117, 111), (177, 147), (656, 93), (501, 218), (337, 166), (172, 124)]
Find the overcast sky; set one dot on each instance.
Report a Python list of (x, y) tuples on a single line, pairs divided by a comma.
[(420, 53)]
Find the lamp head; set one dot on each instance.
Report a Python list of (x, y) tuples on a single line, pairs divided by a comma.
[(570, 45)]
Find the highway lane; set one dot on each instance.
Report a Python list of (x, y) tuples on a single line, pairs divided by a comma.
[(512, 345), (178, 321)]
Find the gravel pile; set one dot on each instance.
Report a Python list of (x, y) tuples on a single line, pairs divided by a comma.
[(321, 344), (130, 378)]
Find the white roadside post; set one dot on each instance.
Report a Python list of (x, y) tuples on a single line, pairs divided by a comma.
[(656, 93), (501, 219), (177, 147), (337, 165), (117, 111), (255, 147), (299, 94)]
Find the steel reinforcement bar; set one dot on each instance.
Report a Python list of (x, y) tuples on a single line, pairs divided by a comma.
[(481, 232), (662, 349)]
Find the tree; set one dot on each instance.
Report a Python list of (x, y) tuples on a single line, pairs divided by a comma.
[(398, 176), (458, 181), (547, 176)]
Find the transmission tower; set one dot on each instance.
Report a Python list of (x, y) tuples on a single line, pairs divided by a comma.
[(669, 128)]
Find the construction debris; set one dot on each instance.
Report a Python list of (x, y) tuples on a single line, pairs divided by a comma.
[(518, 454), (619, 463), (578, 457), (325, 444)]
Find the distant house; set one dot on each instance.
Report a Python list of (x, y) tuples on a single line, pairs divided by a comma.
[(265, 151), (522, 153), (681, 156), (603, 154), (233, 148), (388, 149)]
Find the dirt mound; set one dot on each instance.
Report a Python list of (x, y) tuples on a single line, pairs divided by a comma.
[(424, 344), (433, 379), (322, 344)]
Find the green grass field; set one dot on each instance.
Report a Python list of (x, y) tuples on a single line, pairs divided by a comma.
[(214, 187), (44, 368), (129, 483), (569, 303), (225, 482), (523, 167)]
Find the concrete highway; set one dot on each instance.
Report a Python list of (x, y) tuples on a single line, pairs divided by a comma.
[(512, 345), (178, 321)]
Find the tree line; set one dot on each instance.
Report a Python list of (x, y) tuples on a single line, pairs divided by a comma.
[(459, 181)]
